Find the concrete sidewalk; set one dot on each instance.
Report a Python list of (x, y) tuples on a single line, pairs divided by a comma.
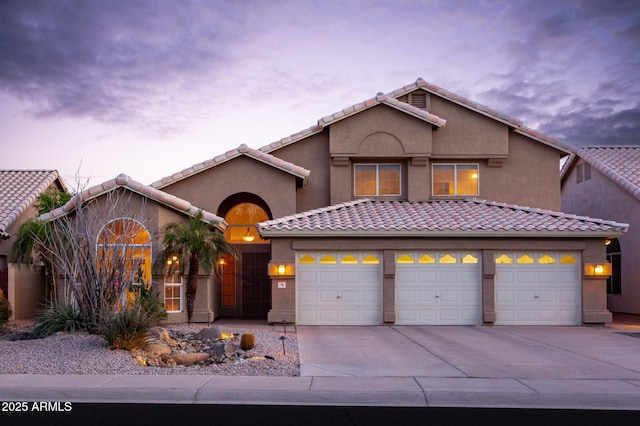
[(496, 367), (354, 391)]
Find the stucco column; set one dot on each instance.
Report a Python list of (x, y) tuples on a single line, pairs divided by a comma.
[(594, 290), (488, 287), (389, 286), (203, 306)]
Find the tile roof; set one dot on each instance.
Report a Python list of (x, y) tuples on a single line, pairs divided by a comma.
[(243, 149), (390, 99), (454, 218), (124, 181), (620, 163), (19, 189)]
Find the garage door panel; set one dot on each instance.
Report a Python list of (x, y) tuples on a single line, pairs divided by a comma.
[(307, 296), (349, 277), (328, 315), (447, 276), (525, 277), (330, 292), (448, 296), (437, 293), (327, 296), (427, 277), (326, 277), (546, 292), (505, 296)]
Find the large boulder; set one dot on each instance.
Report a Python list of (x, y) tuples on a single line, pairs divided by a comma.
[(213, 333), (160, 333), (222, 349), (157, 348), (189, 358)]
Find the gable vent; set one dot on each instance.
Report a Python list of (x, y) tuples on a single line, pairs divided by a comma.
[(419, 100), (583, 172)]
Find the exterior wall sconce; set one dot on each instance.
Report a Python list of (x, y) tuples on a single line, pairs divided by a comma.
[(282, 269), (597, 270)]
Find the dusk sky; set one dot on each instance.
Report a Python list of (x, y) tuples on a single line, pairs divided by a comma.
[(150, 87)]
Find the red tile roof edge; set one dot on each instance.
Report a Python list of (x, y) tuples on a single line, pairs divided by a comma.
[(147, 191), (584, 152), (243, 149)]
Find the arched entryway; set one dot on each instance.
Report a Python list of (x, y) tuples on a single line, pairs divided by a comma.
[(245, 287)]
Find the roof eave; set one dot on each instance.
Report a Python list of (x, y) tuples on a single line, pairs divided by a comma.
[(439, 234)]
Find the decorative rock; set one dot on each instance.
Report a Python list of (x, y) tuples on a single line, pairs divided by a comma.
[(221, 349), (159, 332), (157, 348), (189, 358), (212, 333)]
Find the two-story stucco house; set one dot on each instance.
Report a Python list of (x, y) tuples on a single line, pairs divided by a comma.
[(412, 207), (604, 181)]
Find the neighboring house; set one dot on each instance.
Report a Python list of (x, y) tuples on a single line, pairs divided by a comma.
[(406, 208), (24, 287), (150, 210), (604, 181)]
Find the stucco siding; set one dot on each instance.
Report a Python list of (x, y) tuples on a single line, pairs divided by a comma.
[(603, 198)]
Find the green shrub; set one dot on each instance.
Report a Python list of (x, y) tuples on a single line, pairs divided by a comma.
[(62, 316), (127, 329), (5, 310), (149, 302)]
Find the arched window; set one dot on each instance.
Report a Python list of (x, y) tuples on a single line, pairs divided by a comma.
[(128, 243), (241, 219)]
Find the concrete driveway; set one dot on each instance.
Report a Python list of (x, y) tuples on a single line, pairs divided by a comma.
[(562, 353)]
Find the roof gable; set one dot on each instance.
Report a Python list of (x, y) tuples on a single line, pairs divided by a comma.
[(390, 99), (458, 218), (124, 181), (242, 150), (20, 189), (620, 163), (516, 124)]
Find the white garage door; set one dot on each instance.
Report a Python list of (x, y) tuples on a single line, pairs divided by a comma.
[(537, 288), (339, 288), (438, 288)]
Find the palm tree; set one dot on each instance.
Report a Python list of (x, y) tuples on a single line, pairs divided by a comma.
[(197, 245)]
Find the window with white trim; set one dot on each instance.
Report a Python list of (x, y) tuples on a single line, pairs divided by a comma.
[(455, 179), (376, 179), (173, 286)]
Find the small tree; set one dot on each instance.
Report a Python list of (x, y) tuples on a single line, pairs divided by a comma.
[(34, 238), (97, 260), (197, 245)]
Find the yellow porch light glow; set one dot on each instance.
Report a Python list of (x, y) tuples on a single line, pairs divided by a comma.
[(600, 270), (282, 269)]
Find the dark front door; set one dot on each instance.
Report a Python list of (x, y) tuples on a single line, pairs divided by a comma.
[(256, 285), (4, 276)]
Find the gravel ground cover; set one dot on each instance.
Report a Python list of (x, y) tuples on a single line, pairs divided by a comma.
[(82, 353)]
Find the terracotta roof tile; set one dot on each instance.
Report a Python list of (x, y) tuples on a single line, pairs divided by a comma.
[(243, 149), (125, 181), (470, 217), (620, 163), (19, 189)]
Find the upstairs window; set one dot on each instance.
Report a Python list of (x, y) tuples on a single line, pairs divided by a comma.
[(377, 179), (455, 179)]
